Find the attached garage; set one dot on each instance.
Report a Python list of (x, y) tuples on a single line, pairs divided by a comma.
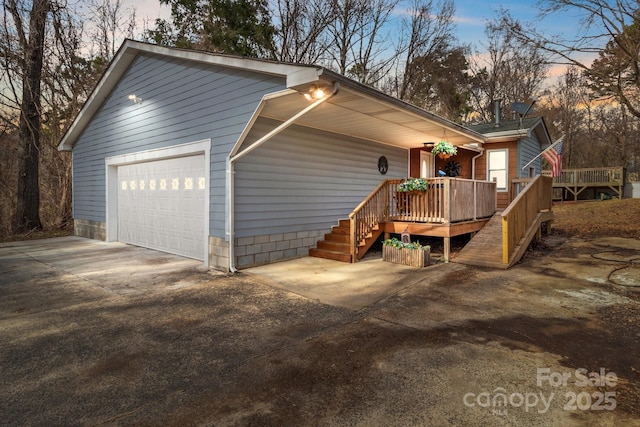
[(161, 205), (233, 161), (159, 199)]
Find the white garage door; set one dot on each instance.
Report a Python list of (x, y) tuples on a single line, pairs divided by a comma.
[(161, 205)]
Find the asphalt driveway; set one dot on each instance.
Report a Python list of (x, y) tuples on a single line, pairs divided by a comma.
[(104, 333)]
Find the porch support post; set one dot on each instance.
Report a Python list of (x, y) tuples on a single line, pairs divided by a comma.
[(447, 248), (447, 200), (235, 154), (352, 238)]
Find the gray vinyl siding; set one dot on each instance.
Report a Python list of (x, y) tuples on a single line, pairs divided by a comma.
[(529, 148), (182, 102), (306, 179)]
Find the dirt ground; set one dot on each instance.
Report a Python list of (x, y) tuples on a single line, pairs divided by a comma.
[(553, 341), (613, 218)]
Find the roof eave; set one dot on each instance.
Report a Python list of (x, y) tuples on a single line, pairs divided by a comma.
[(373, 93), (295, 75), (506, 136)]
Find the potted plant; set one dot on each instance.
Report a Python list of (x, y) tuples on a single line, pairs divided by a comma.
[(444, 150), (413, 254), (412, 185)]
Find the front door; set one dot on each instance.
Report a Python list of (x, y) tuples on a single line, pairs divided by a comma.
[(426, 165)]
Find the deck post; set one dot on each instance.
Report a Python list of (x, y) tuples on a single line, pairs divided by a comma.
[(447, 200), (447, 248), (475, 200), (387, 201), (352, 238), (505, 240)]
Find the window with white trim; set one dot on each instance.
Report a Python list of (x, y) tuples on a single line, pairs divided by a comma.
[(497, 167)]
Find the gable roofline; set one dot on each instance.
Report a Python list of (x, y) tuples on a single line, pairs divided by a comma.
[(298, 77), (295, 75), (510, 130)]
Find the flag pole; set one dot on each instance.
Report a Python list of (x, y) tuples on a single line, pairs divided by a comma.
[(544, 151)]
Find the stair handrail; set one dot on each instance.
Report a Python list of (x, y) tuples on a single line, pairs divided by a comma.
[(520, 214), (368, 214)]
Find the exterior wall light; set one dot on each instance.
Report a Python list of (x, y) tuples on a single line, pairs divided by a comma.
[(315, 92), (135, 99)]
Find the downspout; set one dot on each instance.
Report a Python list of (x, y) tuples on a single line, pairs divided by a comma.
[(231, 159), (473, 163)]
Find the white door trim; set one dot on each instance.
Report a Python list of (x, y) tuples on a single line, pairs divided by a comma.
[(182, 150)]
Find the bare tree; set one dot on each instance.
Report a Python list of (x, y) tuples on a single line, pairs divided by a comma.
[(431, 64), (111, 21), (44, 80), (358, 46), (301, 35), (29, 41), (427, 31), (372, 58), (609, 34), (508, 71), (597, 132), (566, 107)]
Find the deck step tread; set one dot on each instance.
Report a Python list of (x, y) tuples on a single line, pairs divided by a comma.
[(335, 256), (340, 238), (334, 246)]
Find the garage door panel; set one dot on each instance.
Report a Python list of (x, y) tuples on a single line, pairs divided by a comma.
[(161, 205)]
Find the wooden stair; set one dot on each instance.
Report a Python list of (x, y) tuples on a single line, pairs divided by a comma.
[(485, 248), (335, 245)]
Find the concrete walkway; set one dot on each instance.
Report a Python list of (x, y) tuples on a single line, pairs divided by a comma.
[(352, 286)]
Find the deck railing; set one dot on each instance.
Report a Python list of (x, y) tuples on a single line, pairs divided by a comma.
[(446, 200), (517, 218), (589, 176), (372, 211)]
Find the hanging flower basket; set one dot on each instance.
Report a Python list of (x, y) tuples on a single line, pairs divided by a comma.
[(444, 150)]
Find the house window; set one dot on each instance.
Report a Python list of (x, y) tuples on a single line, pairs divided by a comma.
[(497, 161)]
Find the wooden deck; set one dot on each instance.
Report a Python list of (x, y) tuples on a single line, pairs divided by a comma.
[(573, 182), (446, 231), (449, 207)]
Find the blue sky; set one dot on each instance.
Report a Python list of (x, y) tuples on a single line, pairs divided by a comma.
[(471, 17)]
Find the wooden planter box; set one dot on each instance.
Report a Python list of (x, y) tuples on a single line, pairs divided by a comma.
[(412, 257)]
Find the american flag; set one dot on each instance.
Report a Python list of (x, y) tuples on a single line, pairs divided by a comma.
[(553, 155)]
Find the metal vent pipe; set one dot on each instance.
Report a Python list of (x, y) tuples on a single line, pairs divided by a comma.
[(496, 106)]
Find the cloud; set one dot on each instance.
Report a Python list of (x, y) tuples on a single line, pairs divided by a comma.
[(477, 22)]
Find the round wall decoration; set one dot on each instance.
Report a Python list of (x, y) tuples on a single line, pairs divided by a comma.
[(383, 165)]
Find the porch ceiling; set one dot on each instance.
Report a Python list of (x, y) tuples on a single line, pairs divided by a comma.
[(354, 113)]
